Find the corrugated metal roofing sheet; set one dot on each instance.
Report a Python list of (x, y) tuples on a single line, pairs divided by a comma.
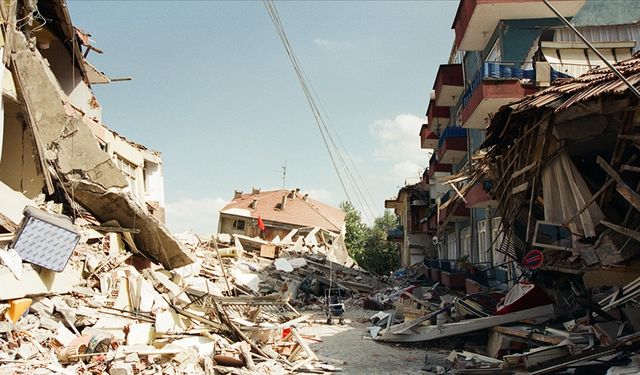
[(596, 82)]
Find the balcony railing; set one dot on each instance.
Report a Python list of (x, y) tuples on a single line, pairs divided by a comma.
[(503, 70), (451, 132)]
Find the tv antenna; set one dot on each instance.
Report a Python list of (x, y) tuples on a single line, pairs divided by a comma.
[(284, 175)]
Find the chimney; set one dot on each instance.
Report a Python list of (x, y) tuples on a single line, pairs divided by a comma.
[(305, 197), (254, 203), (255, 191), (237, 194), (284, 202), (292, 194)]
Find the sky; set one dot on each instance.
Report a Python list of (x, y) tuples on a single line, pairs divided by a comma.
[(214, 92)]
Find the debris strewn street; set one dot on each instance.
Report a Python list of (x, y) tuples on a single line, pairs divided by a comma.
[(516, 251)]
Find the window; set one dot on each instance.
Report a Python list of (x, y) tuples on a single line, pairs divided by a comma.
[(103, 146), (482, 241), (495, 55), (238, 224), (452, 243), (129, 170), (497, 235), (465, 243), (552, 236)]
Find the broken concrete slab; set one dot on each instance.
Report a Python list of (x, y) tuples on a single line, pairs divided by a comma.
[(35, 281), (11, 206), (154, 238), (59, 128)]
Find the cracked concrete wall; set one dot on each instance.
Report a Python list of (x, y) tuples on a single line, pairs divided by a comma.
[(69, 144), (60, 127), (18, 167)]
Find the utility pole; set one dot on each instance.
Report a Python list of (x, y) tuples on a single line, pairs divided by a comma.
[(284, 175)]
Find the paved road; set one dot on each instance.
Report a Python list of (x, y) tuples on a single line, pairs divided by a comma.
[(351, 348)]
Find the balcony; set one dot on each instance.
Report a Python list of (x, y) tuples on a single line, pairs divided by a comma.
[(440, 168), (476, 20), (438, 116), (460, 213), (392, 204), (396, 234), (478, 197), (428, 139), (493, 86), (449, 85), (452, 146)]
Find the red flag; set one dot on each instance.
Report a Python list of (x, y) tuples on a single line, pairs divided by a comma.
[(261, 224)]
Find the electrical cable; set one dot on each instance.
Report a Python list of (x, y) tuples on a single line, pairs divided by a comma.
[(335, 154)]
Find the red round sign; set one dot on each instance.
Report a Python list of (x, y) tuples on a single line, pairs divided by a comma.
[(533, 259)]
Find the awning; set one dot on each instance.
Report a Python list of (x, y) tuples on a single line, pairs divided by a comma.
[(575, 58)]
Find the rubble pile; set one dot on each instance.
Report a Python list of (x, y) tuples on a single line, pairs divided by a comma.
[(111, 309), (527, 330)]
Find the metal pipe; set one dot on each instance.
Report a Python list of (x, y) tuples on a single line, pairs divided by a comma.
[(591, 47)]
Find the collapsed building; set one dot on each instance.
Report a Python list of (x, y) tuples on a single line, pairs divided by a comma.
[(92, 280), (56, 147), (534, 191), (499, 56)]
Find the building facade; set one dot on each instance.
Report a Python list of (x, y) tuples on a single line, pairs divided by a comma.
[(502, 51)]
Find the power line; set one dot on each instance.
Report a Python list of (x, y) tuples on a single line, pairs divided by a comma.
[(335, 153)]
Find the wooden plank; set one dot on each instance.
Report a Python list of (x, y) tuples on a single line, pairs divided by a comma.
[(536, 180), (630, 168), (631, 196), (622, 230), (520, 188), (303, 344), (523, 333), (402, 328), (427, 333), (590, 202), (524, 170)]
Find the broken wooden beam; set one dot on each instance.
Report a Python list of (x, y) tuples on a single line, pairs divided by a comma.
[(530, 335), (622, 230), (627, 193)]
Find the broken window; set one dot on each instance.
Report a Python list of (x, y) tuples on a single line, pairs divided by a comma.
[(103, 146), (497, 235), (482, 241), (238, 224), (552, 236), (129, 170)]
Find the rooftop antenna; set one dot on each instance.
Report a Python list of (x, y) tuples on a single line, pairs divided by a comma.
[(284, 175)]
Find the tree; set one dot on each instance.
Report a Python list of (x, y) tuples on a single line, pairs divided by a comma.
[(356, 230), (382, 256), (368, 246)]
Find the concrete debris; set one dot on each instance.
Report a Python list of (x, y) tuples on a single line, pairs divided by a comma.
[(525, 330), (122, 317)]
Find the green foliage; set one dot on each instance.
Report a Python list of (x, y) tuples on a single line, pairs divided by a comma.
[(368, 246)]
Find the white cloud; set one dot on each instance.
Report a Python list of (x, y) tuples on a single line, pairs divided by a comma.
[(325, 43), (399, 144), (199, 215)]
